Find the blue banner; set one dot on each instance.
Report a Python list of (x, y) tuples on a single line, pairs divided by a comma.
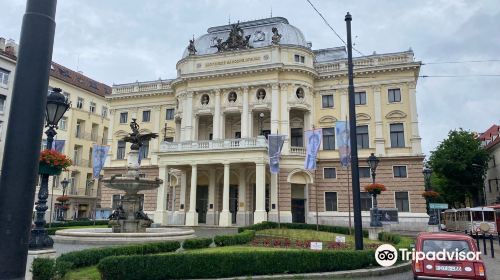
[(99, 154), (343, 142), (275, 142), (313, 138), (59, 145)]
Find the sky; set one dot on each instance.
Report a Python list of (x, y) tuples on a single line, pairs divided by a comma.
[(118, 41)]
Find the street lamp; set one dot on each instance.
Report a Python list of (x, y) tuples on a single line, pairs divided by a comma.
[(57, 105), (432, 215), (64, 185), (261, 119), (374, 219)]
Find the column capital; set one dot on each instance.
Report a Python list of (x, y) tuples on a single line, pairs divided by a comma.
[(194, 165), (259, 163), (217, 91), (245, 88), (275, 86), (284, 86), (190, 93), (376, 88)]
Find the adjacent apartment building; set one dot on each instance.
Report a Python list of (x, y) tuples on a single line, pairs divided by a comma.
[(84, 124), (491, 143), (238, 83)]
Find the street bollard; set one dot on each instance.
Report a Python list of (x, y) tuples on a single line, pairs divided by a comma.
[(477, 241), (498, 237), (491, 246), (484, 244)]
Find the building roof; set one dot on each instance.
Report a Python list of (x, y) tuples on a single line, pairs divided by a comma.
[(490, 137), (8, 55), (79, 80), (260, 32)]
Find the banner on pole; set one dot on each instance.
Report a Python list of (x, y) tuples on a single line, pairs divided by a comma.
[(99, 154), (313, 138), (343, 140), (275, 142), (59, 145)]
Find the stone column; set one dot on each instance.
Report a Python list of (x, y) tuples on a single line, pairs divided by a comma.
[(225, 215), (250, 124), (211, 198), (379, 128), (275, 107), (285, 118), (344, 104), (191, 215), (181, 212), (244, 114), (188, 130), (216, 116), (241, 217), (160, 216), (273, 212), (260, 214), (415, 135), (222, 132), (177, 132), (196, 119)]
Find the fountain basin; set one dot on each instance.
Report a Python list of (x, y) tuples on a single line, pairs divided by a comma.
[(131, 185), (105, 236)]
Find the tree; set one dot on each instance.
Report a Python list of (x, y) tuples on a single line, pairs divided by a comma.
[(459, 164)]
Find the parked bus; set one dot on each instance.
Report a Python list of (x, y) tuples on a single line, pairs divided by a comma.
[(496, 207), (449, 218), (470, 219)]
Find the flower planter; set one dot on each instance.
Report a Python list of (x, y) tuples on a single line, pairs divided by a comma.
[(46, 169)]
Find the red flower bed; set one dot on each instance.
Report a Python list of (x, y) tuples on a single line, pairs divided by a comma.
[(430, 194), (261, 241)]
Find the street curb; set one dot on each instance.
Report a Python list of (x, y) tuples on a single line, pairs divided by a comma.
[(366, 272)]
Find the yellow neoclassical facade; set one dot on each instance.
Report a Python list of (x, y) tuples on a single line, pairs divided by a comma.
[(237, 84)]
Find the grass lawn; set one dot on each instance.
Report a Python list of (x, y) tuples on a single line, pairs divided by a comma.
[(307, 234), (86, 273)]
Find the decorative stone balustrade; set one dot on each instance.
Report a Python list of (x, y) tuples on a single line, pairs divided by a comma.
[(298, 151), (141, 86), (221, 144), (375, 60)]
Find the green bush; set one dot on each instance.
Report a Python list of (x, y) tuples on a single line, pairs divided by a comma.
[(77, 223), (197, 243), (43, 269), (326, 228), (389, 237), (234, 239), (228, 264), (90, 257)]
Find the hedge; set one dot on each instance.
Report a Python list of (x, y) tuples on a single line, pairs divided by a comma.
[(229, 264), (77, 223), (48, 269), (197, 243), (234, 239), (92, 256), (389, 237), (326, 228)]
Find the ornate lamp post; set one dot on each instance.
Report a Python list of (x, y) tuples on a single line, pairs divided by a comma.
[(64, 184), (374, 219), (432, 215), (56, 106), (261, 119)]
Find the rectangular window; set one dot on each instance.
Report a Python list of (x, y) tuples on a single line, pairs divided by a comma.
[(327, 101), (364, 172), (116, 201), (329, 138), (394, 95), (366, 201), (170, 114), (2, 103), (120, 152), (80, 128), (329, 173), (104, 112), (302, 59), (92, 107), (399, 171), (145, 149), (63, 123), (79, 103), (146, 116), (331, 201), (66, 94), (4, 78), (297, 135), (402, 202), (362, 137), (360, 98), (299, 58), (397, 135), (123, 117)]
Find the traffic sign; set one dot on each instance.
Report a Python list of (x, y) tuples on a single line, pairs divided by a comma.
[(438, 205)]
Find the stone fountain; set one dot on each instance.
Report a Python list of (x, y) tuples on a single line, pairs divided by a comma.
[(129, 224), (129, 217)]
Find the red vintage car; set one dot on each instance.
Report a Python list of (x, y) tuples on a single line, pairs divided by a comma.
[(458, 258)]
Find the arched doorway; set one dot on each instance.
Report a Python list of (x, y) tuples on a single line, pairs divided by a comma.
[(299, 180)]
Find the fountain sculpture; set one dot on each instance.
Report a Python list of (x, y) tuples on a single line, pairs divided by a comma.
[(129, 217)]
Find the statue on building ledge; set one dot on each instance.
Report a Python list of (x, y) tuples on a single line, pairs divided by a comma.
[(235, 41), (275, 40), (191, 48)]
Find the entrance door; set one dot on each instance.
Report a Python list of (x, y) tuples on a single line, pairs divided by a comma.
[(202, 203), (233, 202), (298, 210)]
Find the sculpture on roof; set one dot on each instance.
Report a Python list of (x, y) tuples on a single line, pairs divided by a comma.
[(191, 48), (275, 40), (235, 41)]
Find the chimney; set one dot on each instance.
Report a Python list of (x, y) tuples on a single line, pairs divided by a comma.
[(2, 44)]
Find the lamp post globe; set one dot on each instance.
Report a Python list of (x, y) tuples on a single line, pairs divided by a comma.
[(57, 104), (261, 119)]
